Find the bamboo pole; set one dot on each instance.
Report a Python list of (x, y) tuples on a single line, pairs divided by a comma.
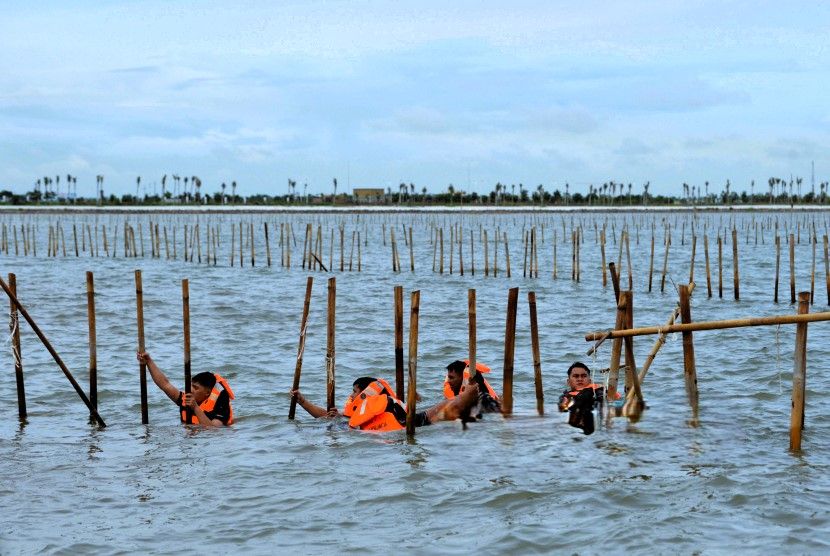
[(301, 348), (93, 345), (813, 241), (777, 265), (689, 371), (735, 273), (398, 307), (268, 246), (507, 255), (708, 273), (634, 407), (628, 262), (142, 368), (414, 303), (792, 268), (665, 263), (487, 260), (411, 252), (509, 349), (332, 288), (710, 325), (799, 375), (14, 329), (186, 322), (692, 263), (720, 267), (351, 250), (471, 332), (827, 269), (616, 346), (358, 250), (650, 264), (441, 242), (537, 358), (52, 352)]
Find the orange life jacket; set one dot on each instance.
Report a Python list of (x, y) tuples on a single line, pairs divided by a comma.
[(368, 409), (210, 402), (481, 368)]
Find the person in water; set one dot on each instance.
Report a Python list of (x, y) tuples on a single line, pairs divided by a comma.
[(208, 405), (581, 397), (373, 406), (457, 380)]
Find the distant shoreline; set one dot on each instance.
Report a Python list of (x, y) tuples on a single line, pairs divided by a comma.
[(381, 209)]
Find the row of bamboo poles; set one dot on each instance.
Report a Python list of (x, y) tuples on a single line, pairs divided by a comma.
[(325, 249)]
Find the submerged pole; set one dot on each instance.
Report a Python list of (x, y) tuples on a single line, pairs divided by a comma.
[(399, 378), (509, 349), (330, 403), (14, 328), (537, 359)]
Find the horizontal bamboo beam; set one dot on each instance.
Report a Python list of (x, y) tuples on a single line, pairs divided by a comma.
[(708, 325)]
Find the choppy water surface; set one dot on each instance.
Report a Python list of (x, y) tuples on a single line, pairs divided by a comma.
[(527, 484)]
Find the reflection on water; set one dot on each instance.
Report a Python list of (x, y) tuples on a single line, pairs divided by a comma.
[(726, 484)]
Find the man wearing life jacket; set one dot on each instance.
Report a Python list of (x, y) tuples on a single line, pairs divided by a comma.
[(373, 406), (208, 405), (581, 397), (457, 380)]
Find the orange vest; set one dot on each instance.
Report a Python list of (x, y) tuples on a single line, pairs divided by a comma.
[(210, 402), (481, 368), (367, 410)]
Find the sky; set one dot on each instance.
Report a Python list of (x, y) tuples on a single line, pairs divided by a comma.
[(467, 93)]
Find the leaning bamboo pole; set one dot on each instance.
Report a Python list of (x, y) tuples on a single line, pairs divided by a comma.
[(295, 385)]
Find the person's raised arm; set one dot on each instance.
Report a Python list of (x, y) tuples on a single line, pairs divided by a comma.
[(314, 410), (158, 377)]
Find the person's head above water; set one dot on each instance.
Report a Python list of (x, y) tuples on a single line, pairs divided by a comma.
[(455, 375), (201, 386), (579, 376), (360, 384)]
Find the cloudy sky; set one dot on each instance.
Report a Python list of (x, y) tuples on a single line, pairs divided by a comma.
[(375, 93)]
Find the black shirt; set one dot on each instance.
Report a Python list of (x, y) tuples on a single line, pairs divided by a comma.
[(221, 411)]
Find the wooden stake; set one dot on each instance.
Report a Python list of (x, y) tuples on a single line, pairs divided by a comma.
[(93, 346), (301, 348), (142, 368), (735, 274), (186, 321), (665, 263), (690, 373), (708, 273), (720, 267), (471, 332), (799, 375), (792, 268), (398, 307), (537, 359), (509, 348), (414, 303), (14, 329), (330, 403)]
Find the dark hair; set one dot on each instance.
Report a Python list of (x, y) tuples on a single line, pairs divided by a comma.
[(206, 379), (457, 367), (578, 365), (363, 382)]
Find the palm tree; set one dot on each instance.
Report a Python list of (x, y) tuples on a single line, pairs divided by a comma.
[(305, 192), (224, 185), (163, 182), (451, 191), (424, 193), (233, 191), (540, 190), (137, 185), (645, 192), (334, 180), (567, 192)]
